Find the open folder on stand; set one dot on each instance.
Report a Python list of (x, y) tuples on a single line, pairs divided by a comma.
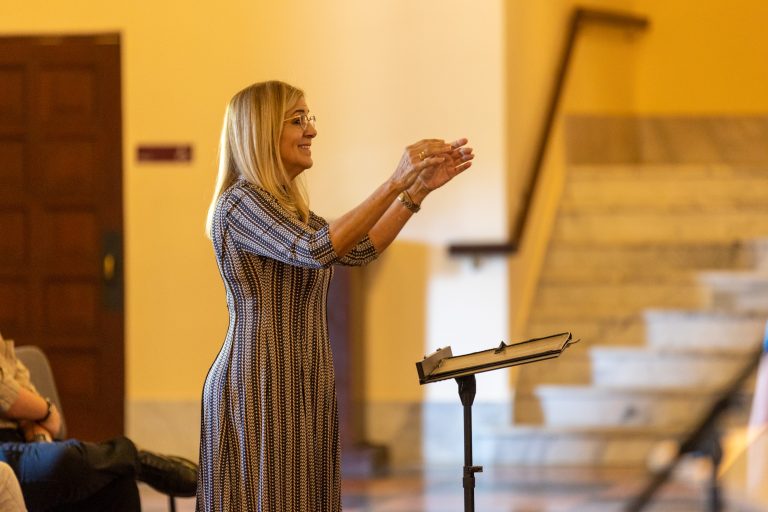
[(442, 364)]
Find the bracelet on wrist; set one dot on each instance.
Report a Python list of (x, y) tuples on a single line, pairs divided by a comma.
[(405, 198), (47, 412)]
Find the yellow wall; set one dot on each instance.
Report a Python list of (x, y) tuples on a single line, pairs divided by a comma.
[(703, 57), (379, 74)]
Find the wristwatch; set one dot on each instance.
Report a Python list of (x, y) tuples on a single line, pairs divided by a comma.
[(47, 412)]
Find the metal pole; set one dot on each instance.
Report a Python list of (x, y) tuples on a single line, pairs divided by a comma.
[(467, 387)]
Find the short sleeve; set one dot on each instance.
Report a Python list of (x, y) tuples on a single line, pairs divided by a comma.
[(24, 378), (361, 254), (9, 387), (258, 224)]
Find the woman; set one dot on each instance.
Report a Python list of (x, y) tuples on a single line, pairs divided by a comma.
[(269, 437)]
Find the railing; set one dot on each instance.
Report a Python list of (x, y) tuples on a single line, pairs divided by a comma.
[(579, 17), (703, 439)]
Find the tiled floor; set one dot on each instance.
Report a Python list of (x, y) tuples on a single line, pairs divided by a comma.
[(744, 485), (153, 501), (498, 490)]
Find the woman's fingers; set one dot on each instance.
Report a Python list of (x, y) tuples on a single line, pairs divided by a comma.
[(435, 155), (459, 142), (463, 167), (428, 147)]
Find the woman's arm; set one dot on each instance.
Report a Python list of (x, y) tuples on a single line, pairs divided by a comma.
[(456, 160), (424, 167), (350, 228), (33, 407)]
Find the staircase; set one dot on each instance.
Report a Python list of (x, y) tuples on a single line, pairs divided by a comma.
[(658, 262)]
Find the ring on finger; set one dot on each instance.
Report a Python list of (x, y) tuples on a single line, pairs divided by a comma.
[(422, 155)]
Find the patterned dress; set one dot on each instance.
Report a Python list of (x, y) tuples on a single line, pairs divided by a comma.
[(270, 437)]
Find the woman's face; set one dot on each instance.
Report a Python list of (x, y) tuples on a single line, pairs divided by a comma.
[(295, 141)]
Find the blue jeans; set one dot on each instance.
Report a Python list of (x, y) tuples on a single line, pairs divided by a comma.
[(73, 475)]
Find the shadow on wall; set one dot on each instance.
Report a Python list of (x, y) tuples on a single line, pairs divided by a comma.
[(395, 337)]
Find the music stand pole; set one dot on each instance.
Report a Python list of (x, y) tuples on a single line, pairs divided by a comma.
[(467, 387)]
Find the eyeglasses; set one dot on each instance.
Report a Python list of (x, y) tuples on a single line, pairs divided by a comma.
[(303, 120)]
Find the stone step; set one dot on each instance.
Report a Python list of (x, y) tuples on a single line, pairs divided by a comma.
[(760, 251), (570, 446), (703, 330), (656, 227), (625, 330), (642, 368), (601, 300), (572, 367), (613, 140), (745, 291), (595, 406), (664, 187), (669, 263)]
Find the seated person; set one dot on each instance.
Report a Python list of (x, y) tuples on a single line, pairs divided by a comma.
[(74, 475)]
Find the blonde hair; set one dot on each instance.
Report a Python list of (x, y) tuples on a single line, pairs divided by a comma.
[(250, 146)]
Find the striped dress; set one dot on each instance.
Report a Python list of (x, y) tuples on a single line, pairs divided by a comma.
[(270, 437)]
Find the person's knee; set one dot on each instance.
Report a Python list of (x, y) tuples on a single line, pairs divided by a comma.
[(67, 463)]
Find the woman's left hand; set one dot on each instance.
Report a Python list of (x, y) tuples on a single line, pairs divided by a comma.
[(456, 161)]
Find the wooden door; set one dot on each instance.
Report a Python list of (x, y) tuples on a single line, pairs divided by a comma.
[(61, 218)]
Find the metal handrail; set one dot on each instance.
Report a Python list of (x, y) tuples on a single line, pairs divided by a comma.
[(579, 17), (703, 438)]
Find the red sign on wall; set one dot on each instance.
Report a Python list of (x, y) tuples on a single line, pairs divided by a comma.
[(170, 153)]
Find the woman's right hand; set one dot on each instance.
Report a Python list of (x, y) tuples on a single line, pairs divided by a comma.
[(416, 158)]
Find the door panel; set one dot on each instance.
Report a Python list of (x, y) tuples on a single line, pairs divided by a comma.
[(60, 198), (69, 166)]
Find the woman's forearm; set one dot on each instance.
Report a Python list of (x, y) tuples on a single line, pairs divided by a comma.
[(394, 219), (350, 228), (380, 216), (28, 406)]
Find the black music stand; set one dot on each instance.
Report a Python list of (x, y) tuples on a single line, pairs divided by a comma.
[(442, 365)]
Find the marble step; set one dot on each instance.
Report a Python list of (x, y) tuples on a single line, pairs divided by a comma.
[(745, 291), (658, 369), (611, 140), (759, 249), (624, 330), (570, 446), (703, 330), (611, 300), (664, 187), (655, 226), (573, 367), (597, 406), (668, 263)]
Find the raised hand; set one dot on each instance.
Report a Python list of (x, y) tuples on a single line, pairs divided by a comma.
[(418, 157), (455, 161)]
